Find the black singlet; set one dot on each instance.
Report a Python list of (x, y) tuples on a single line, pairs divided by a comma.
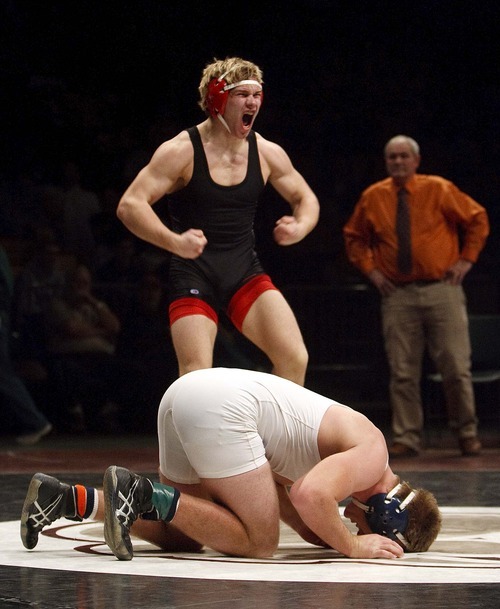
[(226, 215)]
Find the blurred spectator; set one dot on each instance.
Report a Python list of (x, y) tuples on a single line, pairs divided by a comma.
[(81, 334), (39, 281), (18, 410), (79, 321)]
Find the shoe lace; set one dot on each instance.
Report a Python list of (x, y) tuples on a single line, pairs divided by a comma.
[(43, 516), (126, 512)]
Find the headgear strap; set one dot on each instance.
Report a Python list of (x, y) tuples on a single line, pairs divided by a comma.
[(242, 82), (218, 92), (385, 514)]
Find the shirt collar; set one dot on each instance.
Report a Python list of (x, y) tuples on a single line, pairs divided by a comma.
[(409, 186)]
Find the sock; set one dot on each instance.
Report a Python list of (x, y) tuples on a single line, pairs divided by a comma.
[(165, 501), (85, 503)]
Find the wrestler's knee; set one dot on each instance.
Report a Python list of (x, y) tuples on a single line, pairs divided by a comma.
[(294, 361), (301, 356), (264, 544)]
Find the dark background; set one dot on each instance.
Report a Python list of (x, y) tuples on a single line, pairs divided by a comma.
[(104, 81)]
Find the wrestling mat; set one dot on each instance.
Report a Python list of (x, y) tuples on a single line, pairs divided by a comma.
[(466, 551)]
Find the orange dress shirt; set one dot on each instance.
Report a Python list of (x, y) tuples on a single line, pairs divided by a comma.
[(446, 224)]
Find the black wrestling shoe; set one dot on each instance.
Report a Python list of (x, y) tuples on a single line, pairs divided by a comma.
[(126, 497), (47, 500)]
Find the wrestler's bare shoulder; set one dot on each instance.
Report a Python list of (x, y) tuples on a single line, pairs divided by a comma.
[(271, 151), (266, 146), (174, 158), (180, 145)]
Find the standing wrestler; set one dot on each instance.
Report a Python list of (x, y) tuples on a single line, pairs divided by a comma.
[(213, 174)]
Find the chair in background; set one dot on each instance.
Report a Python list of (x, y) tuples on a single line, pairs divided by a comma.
[(484, 331)]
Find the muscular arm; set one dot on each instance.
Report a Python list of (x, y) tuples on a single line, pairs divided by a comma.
[(168, 170), (316, 498), (290, 184), (290, 516)]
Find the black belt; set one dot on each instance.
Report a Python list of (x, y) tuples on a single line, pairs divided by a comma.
[(419, 282)]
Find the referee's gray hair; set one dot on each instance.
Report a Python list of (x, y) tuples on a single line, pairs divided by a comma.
[(407, 140)]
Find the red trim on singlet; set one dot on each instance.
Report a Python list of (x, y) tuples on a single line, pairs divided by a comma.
[(240, 303), (184, 307)]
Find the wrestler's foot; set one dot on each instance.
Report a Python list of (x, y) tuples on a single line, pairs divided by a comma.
[(47, 500), (126, 497)]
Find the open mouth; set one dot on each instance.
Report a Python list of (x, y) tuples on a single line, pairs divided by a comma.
[(247, 119)]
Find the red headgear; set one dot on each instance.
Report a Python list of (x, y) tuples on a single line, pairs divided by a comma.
[(218, 92), (217, 95)]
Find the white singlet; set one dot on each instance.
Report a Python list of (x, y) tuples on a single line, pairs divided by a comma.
[(219, 422)]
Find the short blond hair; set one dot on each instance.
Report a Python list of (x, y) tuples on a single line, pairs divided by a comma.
[(234, 68)]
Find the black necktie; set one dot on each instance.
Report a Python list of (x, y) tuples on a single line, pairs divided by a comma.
[(403, 232)]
